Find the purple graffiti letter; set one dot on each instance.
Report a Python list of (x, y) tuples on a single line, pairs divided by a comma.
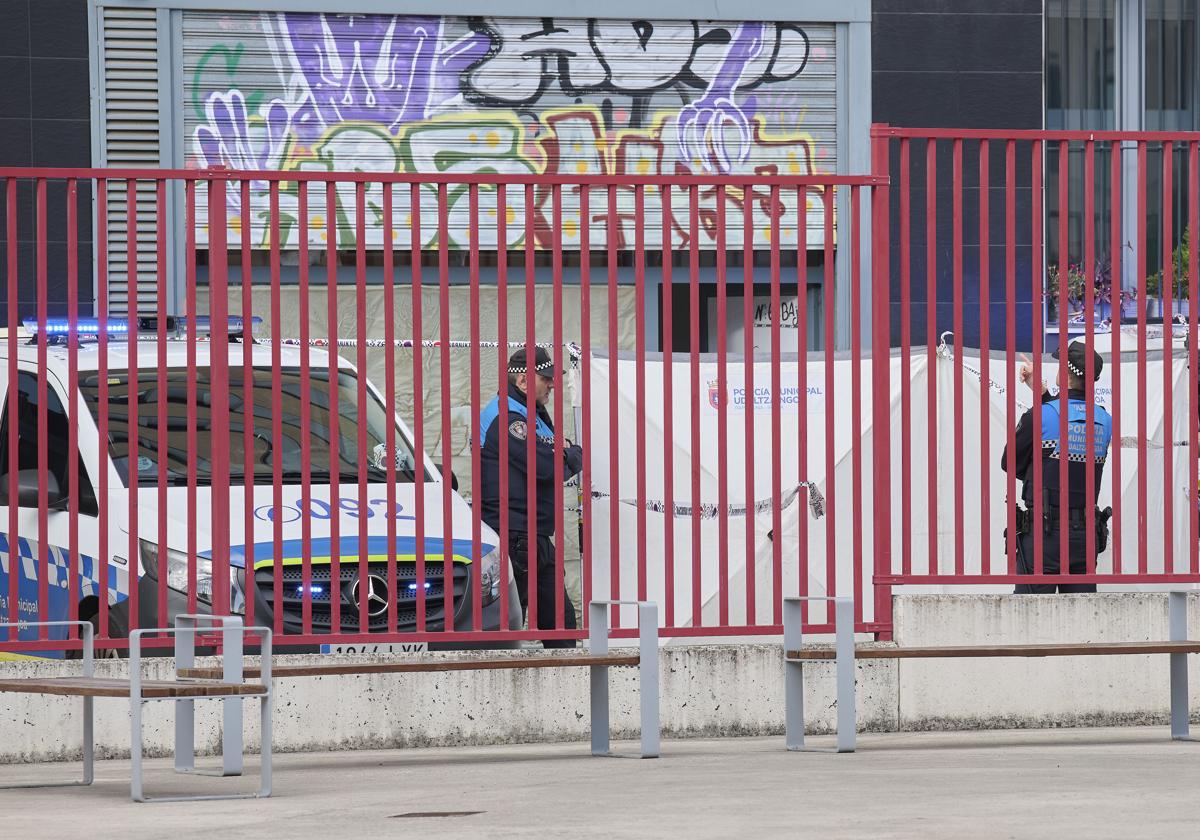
[(384, 69), (701, 124)]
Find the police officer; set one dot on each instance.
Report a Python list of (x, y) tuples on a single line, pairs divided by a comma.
[(520, 545), (1054, 414)]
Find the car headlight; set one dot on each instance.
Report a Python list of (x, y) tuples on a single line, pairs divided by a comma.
[(491, 575), (177, 570)]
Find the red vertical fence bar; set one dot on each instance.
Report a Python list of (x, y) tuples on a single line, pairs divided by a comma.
[(131, 393), (192, 376), (881, 399), (418, 306), (14, 419), (276, 291), (668, 340), (531, 528), (906, 507), (43, 418), (1117, 301), (959, 506), (1038, 301), (102, 591), (446, 447), (748, 388), (360, 334), (305, 409), (1064, 266), (1143, 518), (1192, 379), (1089, 306), (389, 382), (722, 420), (218, 259), (249, 553), (502, 356), (476, 443), (802, 196), (1168, 280), (985, 452), (73, 582), (334, 465), (559, 418), (1010, 320), (828, 299), (931, 340), (694, 321), (585, 333), (614, 463), (776, 419), (856, 429), (639, 280)]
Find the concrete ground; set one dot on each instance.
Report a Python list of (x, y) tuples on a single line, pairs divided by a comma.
[(1093, 783)]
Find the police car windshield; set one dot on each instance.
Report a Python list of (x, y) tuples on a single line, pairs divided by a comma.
[(266, 450)]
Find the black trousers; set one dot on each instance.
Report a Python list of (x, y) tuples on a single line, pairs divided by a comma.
[(1077, 549), (518, 551)]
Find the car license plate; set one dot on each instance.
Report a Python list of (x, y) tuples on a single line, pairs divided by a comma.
[(402, 647)]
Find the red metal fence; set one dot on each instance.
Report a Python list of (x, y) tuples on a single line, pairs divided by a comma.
[(1000, 243), (212, 463), (207, 463)]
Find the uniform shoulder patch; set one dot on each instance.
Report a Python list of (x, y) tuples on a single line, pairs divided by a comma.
[(518, 429)]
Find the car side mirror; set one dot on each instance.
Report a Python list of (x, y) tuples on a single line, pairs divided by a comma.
[(29, 488)]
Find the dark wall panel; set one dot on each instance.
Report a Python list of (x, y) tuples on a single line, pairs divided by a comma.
[(45, 121)]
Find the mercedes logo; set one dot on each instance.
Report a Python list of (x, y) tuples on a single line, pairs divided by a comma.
[(376, 595)]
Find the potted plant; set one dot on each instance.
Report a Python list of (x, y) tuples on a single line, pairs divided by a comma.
[(1077, 281), (1180, 264)]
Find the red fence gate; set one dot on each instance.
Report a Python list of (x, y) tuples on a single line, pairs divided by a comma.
[(228, 456), (1003, 244)]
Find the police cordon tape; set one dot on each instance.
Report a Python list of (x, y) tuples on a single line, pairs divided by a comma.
[(573, 350), (816, 503), (1126, 442)]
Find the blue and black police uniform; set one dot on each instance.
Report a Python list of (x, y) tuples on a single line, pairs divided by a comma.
[(547, 492), (1054, 415)]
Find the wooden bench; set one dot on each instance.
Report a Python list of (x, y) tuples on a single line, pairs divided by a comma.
[(844, 653), (227, 684), (597, 658)]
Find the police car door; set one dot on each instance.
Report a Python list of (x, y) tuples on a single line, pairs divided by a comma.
[(24, 556)]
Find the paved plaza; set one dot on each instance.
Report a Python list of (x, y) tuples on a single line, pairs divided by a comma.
[(1094, 783)]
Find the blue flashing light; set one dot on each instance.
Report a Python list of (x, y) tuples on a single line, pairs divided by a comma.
[(83, 326), (412, 587), (316, 590)]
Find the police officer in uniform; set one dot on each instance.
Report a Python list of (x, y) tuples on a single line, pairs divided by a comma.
[(1054, 414), (524, 549)]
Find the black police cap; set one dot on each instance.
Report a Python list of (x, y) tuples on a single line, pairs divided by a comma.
[(1077, 360), (543, 364)]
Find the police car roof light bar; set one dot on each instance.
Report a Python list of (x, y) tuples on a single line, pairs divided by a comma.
[(235, 328)]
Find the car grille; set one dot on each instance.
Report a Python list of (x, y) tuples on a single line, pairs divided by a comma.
[(406, 600)]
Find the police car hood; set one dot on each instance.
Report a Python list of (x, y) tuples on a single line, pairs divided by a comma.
[(289, 515)]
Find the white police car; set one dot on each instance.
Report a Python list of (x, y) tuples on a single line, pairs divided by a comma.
[(252, 554)]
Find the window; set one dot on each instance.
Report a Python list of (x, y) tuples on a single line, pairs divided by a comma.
[(56, 443), (267, 450)]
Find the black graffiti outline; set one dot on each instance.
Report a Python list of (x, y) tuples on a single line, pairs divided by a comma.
[(686, 76)]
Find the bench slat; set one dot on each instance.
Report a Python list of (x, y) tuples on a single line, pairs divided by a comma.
[(416, 666), (109, 687), (950, 651)]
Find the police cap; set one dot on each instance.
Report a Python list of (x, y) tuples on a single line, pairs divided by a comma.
[(543, 365), (1077, 360)]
